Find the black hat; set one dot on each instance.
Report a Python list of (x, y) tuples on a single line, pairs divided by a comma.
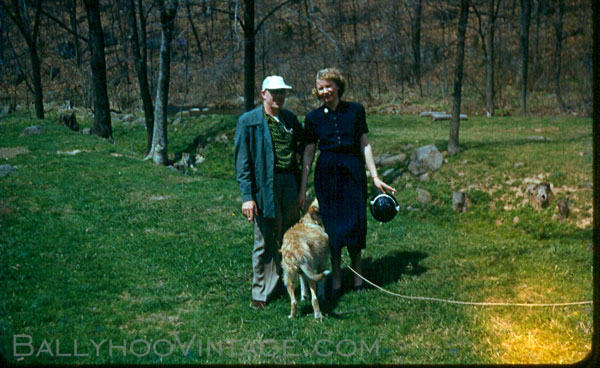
[(384, 207)]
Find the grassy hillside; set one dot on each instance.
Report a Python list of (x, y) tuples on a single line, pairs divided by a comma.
[(107, 258)]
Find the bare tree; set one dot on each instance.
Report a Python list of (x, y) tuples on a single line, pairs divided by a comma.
[(558, 27), (250, 31), (596, 117), (453, 142), (524, 51), (102, 125), (249, 54), (487, 43), (416, 41), (19, 13), (72, 6), (158, 150), (490, 59), (140, 58)]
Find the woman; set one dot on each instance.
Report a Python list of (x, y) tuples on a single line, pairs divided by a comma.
[(340, 129)]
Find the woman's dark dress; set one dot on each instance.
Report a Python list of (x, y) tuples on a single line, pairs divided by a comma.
[(340, 179)]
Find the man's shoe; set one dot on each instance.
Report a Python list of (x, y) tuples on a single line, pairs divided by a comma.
[(258, 304)]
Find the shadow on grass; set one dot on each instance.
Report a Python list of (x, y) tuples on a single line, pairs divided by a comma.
[(381, 271)]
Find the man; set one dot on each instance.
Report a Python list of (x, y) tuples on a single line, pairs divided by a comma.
[(268, 151)]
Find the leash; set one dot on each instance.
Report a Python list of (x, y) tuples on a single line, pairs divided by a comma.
[(449, 301)]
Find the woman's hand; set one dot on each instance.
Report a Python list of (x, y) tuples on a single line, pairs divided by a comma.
[(301, 199), (383, 187)]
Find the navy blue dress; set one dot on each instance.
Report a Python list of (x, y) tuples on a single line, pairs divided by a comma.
[(340, 179)]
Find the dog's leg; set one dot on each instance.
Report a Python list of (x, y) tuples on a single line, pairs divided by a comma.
[(293, 302), (314, 299), (321, 286), (303, 287)]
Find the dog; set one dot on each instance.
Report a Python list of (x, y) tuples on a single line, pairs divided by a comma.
[(305, 248)]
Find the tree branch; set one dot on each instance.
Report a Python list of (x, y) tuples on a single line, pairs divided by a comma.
[(271, 13), (64, 26)]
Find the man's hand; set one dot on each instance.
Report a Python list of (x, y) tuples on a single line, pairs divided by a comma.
[(249, 209)]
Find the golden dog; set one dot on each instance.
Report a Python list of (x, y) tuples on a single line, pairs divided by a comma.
[(305, 248)]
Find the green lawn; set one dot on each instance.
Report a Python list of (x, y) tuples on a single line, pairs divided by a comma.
[(107, 258)]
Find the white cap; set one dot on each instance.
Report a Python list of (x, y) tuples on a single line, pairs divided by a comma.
[(274, 82)]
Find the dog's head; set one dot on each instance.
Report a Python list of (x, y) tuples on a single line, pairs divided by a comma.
[(313, 214)]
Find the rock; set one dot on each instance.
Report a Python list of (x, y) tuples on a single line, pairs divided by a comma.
[(86, 130), (388, 172), (426, 158), (199, 159), (538, 138), (69, 121), (443, 116), (6, 170), (563, 208), (32, 130), (4, 111), (460, 201), (539, 195), (519, 164), (424, 177), (407, 147), (128, 118), (516, 220), (423, 196), (187, 161), (428, 114), (389, 160)]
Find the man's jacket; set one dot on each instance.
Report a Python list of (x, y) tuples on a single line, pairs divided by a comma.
[(254, 157)]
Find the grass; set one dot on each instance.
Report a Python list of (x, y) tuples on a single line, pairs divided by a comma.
[(104, 246)]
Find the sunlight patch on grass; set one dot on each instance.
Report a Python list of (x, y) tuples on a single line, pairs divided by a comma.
[(530, 345)]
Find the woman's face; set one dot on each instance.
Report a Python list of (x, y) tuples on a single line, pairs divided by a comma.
[(327, 90)]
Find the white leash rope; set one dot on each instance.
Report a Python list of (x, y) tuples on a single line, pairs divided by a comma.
[(467, 303)]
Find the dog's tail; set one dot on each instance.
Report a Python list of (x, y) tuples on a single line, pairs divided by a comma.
[(313, 276)]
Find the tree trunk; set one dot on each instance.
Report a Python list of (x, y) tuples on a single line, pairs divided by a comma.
[(416, 42), (158, 152), (102, 125), (537, 10), (73, 18), (141, 68), (489, 62), (37, 81), (524, 51), (558, 26), (249, 58), (453, 143), (596, 118)]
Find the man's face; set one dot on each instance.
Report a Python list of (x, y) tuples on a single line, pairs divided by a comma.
[(274, 98)]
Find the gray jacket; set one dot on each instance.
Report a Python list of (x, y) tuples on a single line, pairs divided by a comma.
[(254, 157)]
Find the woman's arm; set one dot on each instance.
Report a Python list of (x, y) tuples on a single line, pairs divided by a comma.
[(368, 152), (307, 160)]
